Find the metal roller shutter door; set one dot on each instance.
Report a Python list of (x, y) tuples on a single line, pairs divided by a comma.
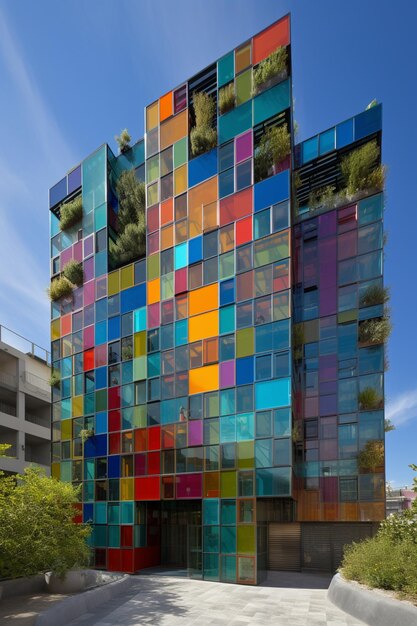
[(284, 547)]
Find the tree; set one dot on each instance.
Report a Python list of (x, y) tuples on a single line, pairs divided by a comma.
[(372, 455), (37, 531)]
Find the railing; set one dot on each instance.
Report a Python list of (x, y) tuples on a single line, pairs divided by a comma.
[(38, 383), (8, 380), (24, 345), (8, 408), (38, 419)]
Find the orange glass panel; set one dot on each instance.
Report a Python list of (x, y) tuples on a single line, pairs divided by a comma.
[(202, 326), (211, 485), (270, 39), (167, 237), (204, 379), (203, 300), (210, 350), (210, 216), (152, 116), (154, 291), (348, 512), (180, 180), (181, 231), (165, 106), (200, 195), (66, 324), (167, 211), (174, 129), (242, 58)]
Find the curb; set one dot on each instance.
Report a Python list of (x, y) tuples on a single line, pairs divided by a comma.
[(371, 607), (81, 603)]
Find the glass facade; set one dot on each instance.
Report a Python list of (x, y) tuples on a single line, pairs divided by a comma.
[(221, 369)]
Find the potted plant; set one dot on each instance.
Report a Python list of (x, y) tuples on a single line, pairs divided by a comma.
[(271, 70), (203, 136), (123, 140), (370, 400)]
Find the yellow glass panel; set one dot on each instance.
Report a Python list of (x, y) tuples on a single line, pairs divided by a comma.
[(126, 277), (347, 316), (55, 330), (203, 326), (56, 471), (227, 238), (126, 488), (152, 194), (245, 455), (174, 129), (244, 342), (152, 115), (140, 344), (200, 195), (203, 300), (242, 58), (66, 429), (167, 237), (228, 485), (204, 379), (113, 283), (154, 288), (152, 266), (210, 216), (246, 539), (180, 180), (77, 406)]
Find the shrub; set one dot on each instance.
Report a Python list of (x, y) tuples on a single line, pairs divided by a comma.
[(374, 294), (4, 448), (372, 455), (270, 67), (370, 399), (226, 98), (274, 147), (37, 532), (401, 526), (374, 330), (73, 270), (123, 140), (55, 378), (129, 245), (131, 239), (360, 169), (203, 136), (59, 287), (325, 198), (71, 213)]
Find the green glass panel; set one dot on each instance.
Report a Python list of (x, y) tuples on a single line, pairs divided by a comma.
[(275, 481), (88, 491), (226, 69), (271, 249), (100, 536), (101, 401), (243, 87), (228, 485), (235, 122), (246, 539), (211, 511), (245, 455), (114, 536), (167, 286), (180, 152), (152, 195), (271, 102), (227, 265), (100, 217), (245, 342), (228, 540), (139, 368), (153, 266), (152, 169), (94, 180), (140, 536), (66, 471)]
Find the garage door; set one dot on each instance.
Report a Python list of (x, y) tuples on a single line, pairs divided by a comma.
[(284, 547)]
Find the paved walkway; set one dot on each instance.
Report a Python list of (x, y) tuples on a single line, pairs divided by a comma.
[(285, 599)]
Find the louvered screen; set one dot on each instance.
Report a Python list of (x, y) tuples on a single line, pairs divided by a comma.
[(284, 547)]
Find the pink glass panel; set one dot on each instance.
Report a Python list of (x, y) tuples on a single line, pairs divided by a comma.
[(140, 464), (328, 367), (327, 224), (153, 243), (244, 147), (153, 315), (101, 355), (152, 221), (88, 340), (189, 486), (89, 293), (311, 407), (347, 245), (181, 280), (89, 269), (66, 256), (88, 246), (195, 432), (227, 374), (78, 251), (347, 218), (180, 99), (328, 450)]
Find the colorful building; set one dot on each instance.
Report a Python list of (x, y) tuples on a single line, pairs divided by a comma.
[(212, 391)]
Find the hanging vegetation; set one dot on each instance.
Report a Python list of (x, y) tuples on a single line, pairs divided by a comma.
[(375, 330), (203, 136), (73, 271), (59, 287), (131, 238), (370, 399)]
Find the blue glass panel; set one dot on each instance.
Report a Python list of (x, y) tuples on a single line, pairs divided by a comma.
[(273, 482), (272, 393), (66, 367), (154, 364), (244, 370), (371, 209), (310, 149), (235, 122), (95, 446), (227, 292), (226, 69), (272, 190), (181, 332), (195, 250), (271, 102), (368, 122), (180, 256), (133, 157), (327, 141), (88, 512), (133, 298), (100, 333), (113, 466), (58, 192), (202, 168), (101, 377), (74, 179), (101, 310), (344, 133), (226, 183), (101, 423), (114, 328)]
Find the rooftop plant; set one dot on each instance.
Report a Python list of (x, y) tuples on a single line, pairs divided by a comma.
[(270, 67), (274, 147), (375, 330), (131, 238), (370, 399), (361, 170), (123, 140), (388, 425), (203, 136), (374, 294), (71, 213), (59, 287), (73, 271), (227, 98)]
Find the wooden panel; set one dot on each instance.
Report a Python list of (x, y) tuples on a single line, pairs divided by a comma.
[(284, 543)]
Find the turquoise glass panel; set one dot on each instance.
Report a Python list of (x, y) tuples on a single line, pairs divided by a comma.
[(371, 209), (89, 469), (263, 453), (228, 540), (100, 333), (140, 536), (227, 319), (228, 512), (100, 263), (114, 536), (100, 217), (94, 180), (245, 426), (211, 538), (154, 364), (211, 512), (228, 428), (272, 393), (89, 404), (211, 567), (273, 482), (126, 512), (181, 332), (66, 367), (228, 572), (100, 536), (66, 471), (88, 491), (227, 402), (235, 122), (310, 149), (127, 372), (66, 409), (54, 224), (100, 513), (282, 422), (113, 513), (139, 320), (271, 102), (132, 158), (327, 141), (181, 255), (226, 69)]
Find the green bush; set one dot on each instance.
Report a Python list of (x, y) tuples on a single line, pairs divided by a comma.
[(374, 294), (227, 98), (131, 239), (361, 171), (59, 287), (270, 67), (55, 378), (71, 213), (401, 526), (372, 455), (274, 147), (203, 136), (129, 245), (123, 140), (37, 532), (370, 399), (375, 331), (73, 270)]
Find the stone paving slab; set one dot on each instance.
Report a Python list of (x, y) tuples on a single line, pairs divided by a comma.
[(286, 599)]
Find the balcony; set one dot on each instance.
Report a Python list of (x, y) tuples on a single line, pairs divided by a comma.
[(36, 385)]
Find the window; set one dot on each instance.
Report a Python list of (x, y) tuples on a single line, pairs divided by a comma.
[(243, 175), (348, 489), (311, 429), (226, 156)]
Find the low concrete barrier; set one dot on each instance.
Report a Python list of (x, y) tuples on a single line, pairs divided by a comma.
[(371, 606), (22, 586)]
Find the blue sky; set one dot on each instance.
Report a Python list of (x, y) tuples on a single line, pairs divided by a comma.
[(73, 74)]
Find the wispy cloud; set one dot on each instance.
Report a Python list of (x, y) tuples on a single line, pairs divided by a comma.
[(403, 408)]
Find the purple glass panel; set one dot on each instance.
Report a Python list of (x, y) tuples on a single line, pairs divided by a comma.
[(74, 179), (311, 407), (327, 224), (58, 192), (328, 276), (328, 367), (328, 488), (66, 256), (328, 388), (89, 293), (88, 246), (78, 251), (189, 486), (244, 147), (328, 450), (88, 338), (328, 405), (89, 269), (101, 287), (78, 298), (227, 374), (195, 433), (140, 464), (153, 315), (180, 99)]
